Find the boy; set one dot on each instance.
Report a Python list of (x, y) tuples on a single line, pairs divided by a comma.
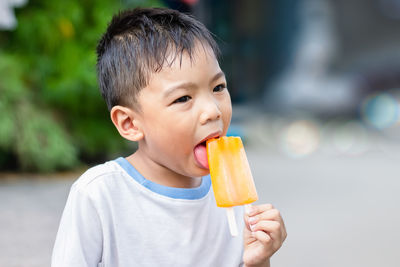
[(159, 75)]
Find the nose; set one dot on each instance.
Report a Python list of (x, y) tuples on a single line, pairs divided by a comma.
[(210, 111)]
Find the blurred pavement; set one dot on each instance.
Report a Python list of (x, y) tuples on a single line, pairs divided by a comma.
[(30, 213), (339, 212), (341, 209)]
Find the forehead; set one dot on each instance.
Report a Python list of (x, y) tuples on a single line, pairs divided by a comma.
[(197, 66)]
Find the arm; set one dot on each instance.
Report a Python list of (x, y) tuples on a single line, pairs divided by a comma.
[(264, 234), (79, 238)]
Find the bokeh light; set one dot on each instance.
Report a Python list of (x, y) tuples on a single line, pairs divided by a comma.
[(301, 138), (380, 111)]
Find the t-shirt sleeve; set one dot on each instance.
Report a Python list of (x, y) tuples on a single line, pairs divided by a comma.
[(79, 238)]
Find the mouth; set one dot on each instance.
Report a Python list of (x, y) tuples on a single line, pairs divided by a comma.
[(200, 150), (210, 136)]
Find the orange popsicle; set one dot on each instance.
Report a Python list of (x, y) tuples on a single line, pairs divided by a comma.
[(231, 177)]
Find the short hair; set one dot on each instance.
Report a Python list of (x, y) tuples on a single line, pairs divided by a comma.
[(137, 43)]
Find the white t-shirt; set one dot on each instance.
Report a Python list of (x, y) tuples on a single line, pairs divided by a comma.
[(115, 217)]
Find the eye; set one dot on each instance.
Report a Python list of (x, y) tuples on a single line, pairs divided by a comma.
[(219, 88), (182, 99)]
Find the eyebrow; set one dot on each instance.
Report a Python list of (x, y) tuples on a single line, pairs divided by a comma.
[(191, 85), (218, 75)]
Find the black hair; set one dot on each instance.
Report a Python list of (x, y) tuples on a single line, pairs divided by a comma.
[(137, 43)]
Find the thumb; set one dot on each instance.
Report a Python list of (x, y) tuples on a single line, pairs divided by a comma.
[(246, 222), (247, 236)]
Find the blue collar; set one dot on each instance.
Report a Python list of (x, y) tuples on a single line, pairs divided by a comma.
[(172, 192)]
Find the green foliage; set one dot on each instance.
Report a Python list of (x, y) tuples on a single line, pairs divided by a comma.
[(27, 131), (51, 112)]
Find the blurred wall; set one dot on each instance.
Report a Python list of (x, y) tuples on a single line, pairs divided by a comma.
[(345, 49)]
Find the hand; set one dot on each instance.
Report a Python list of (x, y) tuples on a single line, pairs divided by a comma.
[(263, 235)]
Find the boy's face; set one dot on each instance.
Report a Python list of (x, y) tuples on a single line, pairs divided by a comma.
[(183, 105)]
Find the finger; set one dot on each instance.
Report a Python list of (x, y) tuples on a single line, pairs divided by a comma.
[(246, 222), (270, 215), (256, 209), (273, 228), (267, 241), (263, 237)]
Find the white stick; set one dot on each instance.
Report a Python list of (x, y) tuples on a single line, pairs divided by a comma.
[(230, 213)]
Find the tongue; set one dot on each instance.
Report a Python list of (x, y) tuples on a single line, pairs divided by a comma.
[(200, 154)]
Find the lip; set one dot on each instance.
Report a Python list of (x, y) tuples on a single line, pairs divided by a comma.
[(212, 135)]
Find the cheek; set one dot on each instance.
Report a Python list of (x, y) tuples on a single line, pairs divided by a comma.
[(226, 111), (171, 132)]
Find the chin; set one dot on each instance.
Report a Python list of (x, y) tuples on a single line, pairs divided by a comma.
[(197, 172), (202, 172)]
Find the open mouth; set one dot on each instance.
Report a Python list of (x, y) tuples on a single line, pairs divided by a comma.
[(200, 151)]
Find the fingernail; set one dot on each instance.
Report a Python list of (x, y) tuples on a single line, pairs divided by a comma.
[(249, 210), (252, 227), (252, 220)]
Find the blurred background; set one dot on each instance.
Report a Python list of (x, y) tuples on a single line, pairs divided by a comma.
[(315, 86)]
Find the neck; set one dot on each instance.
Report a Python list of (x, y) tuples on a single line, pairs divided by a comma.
[(160, 174)]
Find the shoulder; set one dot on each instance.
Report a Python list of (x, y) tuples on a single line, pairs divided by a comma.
[(98, 176)]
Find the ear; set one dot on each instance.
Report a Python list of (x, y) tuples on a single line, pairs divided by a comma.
[(127, 123)]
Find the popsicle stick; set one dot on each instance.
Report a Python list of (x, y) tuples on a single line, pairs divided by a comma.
[(230, 213)]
